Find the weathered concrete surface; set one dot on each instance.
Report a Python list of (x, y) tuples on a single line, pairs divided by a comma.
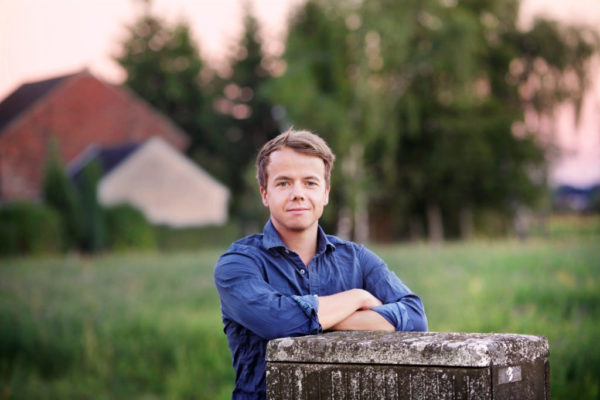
[(410, 348), (408, 366), (353, 381)]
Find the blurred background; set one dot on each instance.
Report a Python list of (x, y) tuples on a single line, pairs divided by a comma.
[(467, 136)]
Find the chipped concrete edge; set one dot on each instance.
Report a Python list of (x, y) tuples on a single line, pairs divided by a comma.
[(410, 348)]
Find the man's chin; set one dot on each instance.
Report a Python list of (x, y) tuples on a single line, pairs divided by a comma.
[(297, 227)]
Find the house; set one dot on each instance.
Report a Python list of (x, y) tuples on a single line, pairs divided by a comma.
[(576, 199), (85, 117), (75, 111), (159, 181)]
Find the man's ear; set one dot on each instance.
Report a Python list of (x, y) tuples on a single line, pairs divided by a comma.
[(326, 196), (263, 196)]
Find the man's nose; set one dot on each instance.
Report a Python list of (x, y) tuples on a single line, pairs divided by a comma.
[(297, 192)]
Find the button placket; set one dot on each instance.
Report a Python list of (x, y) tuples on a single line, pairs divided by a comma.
[(313, 278)]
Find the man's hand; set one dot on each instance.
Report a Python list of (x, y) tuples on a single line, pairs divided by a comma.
[(338, 307)]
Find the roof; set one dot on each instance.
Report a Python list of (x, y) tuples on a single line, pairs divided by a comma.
[(579, 191), (25, 96), (76, 111), (109, 157)]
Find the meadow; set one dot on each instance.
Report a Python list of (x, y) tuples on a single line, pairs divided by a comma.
[(147, 325)]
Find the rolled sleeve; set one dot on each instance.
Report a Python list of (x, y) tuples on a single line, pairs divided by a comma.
[(251, 302), (404, 317), (401, 307), (310, 305)]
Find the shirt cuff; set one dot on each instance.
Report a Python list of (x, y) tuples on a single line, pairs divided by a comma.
[(396, 315), (310, 306)]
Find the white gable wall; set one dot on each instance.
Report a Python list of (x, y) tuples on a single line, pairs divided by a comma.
[(167, 187)]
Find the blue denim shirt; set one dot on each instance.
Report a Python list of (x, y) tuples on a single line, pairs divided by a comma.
[(267, 292)]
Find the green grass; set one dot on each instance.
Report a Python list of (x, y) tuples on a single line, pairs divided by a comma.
[(548, 288), (147, 326)]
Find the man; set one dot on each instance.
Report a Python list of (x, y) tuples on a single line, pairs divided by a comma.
[(294, 279)]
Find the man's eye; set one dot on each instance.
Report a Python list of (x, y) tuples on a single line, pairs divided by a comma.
[(282, 184), (311, 183)]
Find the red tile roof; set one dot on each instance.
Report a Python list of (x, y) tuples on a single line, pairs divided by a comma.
[(75, 111)]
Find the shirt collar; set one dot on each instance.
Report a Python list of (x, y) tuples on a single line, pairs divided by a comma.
[(271, 239)]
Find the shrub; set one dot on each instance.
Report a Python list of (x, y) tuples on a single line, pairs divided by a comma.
[(29, 228), (127, 228)]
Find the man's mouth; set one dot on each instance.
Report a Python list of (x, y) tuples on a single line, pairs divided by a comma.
[(297, 210)]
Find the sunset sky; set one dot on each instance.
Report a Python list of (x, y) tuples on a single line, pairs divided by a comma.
[(41, 39)]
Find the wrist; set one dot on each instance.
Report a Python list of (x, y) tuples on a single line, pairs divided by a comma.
[(364, 298)]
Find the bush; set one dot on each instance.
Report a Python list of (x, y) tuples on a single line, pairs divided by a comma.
[(28, 228), (127, 228)]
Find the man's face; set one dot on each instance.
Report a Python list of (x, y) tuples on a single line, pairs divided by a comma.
[(296, 191)]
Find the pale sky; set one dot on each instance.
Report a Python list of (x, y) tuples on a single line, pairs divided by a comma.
[(40, 39)]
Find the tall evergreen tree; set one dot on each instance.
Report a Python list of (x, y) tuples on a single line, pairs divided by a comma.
[(59, 193), (94, 225), (250, 121), (164, 67)]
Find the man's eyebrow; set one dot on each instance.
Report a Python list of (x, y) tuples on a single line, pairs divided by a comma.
[(311, 177), (287, 178)]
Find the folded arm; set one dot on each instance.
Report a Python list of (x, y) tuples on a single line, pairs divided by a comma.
[(401, 308), (350, 310), (366, 320)]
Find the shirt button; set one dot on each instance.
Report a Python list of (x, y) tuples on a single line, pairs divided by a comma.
[(302, 271), (287, 251)]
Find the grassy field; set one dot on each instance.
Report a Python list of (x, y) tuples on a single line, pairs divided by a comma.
[(147, 326)]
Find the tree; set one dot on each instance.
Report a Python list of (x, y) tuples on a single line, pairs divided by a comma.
[(455, 75), (60, 194), (164, 67), (94, 225), (227, 118), (423, 101), (249, 120), (319, 92)]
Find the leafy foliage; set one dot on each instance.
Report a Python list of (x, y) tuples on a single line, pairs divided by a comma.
[(248, 118), (164, 67), (28, 228), (424, 103), (60, 194), (320, 92), (228, 118), (94, 234), (127, 229), (430, 96)]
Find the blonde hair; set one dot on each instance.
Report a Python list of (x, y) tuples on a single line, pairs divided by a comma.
[(301, 141)]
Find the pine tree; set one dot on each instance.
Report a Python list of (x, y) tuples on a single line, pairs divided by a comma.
[(249, 119), (94, 225), (164, 67), (59, 193)]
